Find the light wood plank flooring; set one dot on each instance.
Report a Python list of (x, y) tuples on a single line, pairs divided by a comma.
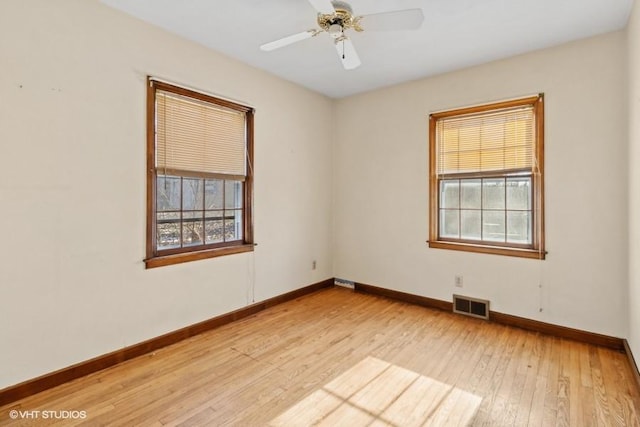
[(342, 358)]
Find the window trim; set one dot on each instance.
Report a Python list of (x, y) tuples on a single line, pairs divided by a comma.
[(154, 258), (537, 251)]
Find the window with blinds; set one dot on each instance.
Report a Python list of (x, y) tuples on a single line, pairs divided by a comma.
[(199, 176), (486, 178)]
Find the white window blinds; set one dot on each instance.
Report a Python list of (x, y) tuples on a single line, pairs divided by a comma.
[(483, 142), (198, 136)]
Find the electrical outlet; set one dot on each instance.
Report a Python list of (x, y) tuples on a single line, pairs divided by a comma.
[(313, 264), (458, 280)]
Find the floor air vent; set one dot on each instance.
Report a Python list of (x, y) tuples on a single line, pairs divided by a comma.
[(471, 306)]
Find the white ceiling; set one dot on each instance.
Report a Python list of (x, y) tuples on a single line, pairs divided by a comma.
[(455, 34)]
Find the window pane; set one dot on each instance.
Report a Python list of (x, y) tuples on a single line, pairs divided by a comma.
[(168, 230), (168, 193), (213, 225), (519, 227), (233, 225), (449, 223), (493, 194), (470, 224), (493, 227), (168, 217), (192, 228), (192, 195), (213, 195), (449, 193), (470, 193), (233, 194), (519, 193)]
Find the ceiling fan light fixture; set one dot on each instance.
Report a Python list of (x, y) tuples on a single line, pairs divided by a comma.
[(335, 30)]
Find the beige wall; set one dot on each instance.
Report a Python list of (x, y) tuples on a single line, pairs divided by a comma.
[(72, 186), (633, 40), (381, 188)]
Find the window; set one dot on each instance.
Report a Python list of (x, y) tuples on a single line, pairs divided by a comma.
[(199, 176), (486, 178)]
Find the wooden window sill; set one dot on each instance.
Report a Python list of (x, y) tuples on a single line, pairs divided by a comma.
[(163, 260), (486, 249)]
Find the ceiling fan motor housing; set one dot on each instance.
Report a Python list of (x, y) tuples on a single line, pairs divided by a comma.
[(342, 17), (342, 5)]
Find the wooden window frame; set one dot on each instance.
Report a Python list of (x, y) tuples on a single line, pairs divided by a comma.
[(537, 249), (158, 258)]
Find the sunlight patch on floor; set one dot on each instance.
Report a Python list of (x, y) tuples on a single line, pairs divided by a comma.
[(378, 393)]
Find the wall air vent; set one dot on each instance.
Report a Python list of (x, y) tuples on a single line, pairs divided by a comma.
[(471, 306), (344, 283)]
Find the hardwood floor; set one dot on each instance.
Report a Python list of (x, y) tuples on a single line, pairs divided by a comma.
[(342, 358)]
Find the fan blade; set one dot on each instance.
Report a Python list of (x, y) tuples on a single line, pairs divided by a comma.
[(347, 53), (288, 40), (323, 6), (408, 19)]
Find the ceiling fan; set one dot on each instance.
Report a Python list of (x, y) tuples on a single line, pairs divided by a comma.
[(335, 17)]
